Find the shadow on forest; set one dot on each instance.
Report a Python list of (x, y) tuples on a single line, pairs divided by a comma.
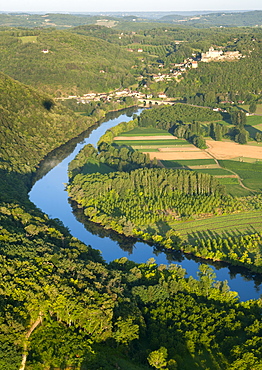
[(14, 186), (213, 234), (252, 130)]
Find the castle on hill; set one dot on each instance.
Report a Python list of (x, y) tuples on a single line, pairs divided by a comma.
[(213, 55)]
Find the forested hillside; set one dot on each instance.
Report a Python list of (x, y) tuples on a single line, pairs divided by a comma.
[(125, 21), (32, 124), (226, 19), (63, 63)]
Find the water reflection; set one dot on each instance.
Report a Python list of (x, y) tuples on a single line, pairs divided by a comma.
[(48, 193), (57, 155)]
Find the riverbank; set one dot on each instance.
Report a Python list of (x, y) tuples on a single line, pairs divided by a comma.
[(49, 195)]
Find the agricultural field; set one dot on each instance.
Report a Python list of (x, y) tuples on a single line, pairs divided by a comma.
[(189, 163), (254, 120), (218, 172), (218, 160), (160, 144), (229, 150), (246, 108), (237, 224), (145, 131), (250, 173), (28, 39)]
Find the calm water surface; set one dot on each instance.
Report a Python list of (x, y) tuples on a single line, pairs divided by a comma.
[(48, 193)]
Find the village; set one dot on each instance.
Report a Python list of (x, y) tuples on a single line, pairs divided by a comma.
[(176, 72)]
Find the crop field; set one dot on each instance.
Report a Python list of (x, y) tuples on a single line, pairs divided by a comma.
[(221, 226), (259, 126), (254, 120), (246, 107), (250, 173), (28, 39), (145, 131), (188, 163), (229, 150), (179, 155), (228, 180), (151, 142), (215, 172)]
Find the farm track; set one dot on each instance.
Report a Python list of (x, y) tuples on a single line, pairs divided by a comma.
[(234, 173)]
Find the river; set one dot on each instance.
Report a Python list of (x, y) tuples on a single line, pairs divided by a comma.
[(48, 193)]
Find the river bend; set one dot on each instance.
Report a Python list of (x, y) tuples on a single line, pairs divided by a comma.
[(48, 194)]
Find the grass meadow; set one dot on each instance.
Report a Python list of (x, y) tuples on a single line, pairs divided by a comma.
[(250, 173), (188, 163), (157, 142), (221, 226), (145, 131)]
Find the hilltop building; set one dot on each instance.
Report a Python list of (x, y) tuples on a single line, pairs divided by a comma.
[(219, 55), (211, 54)]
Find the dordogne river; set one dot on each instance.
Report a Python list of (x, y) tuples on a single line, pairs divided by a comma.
[(48, 194)]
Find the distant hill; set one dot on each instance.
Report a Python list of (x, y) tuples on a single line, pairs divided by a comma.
[(63, 63), (48, 20), (241, 19)]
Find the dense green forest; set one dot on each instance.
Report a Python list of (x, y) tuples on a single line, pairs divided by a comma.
[(72, 65), (61, 305), (251, 18), (32, 124), (166, 117)]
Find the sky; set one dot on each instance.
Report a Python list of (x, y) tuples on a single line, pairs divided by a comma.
[(126, 5)]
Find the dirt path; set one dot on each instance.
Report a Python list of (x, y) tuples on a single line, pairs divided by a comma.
[(234, 173)]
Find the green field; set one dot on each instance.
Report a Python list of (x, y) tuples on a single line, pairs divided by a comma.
[(187, 162), (214, 171), (229, 180), (246, 108), (236, 190), (250, 173), (145, 131), (221, 226), (254, 120), (28, 39), (158, 143), (147, 150)]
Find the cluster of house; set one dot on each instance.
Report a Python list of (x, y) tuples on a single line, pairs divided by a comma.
[(176, 71), (213, 55), (86, 98)]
